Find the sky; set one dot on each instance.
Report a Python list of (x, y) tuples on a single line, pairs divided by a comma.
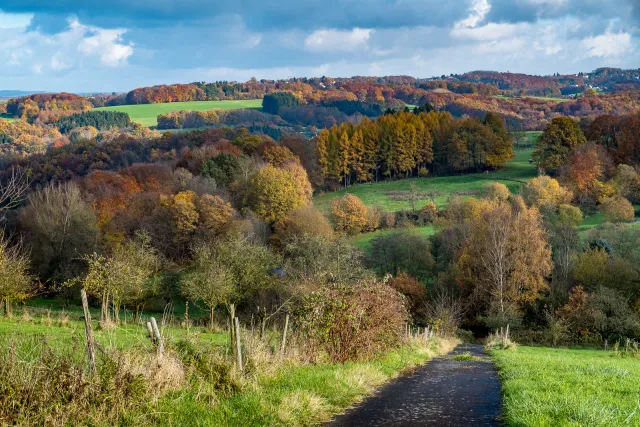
[(91, 46)]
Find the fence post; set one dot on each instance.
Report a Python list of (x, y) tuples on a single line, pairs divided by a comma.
[(158, 337), (238, 347), (91, 344), (284, 335)]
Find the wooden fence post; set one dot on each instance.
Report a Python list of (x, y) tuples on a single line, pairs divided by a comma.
[(160, 346), (150, 332), (284, 335), (91, 344), (236, 323)]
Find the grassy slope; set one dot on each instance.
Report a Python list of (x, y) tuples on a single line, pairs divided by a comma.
[(363, 241), (287, 394), (146, 114), (296, 395), (558, 387), (514, 174)]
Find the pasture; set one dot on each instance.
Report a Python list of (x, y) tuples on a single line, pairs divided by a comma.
[(363, 241), (514, 175), (562, 387), (146, 114), (273, 390)]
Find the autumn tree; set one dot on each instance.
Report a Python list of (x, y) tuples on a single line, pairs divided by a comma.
[(304, 220), (504, 262), (349, 214), (557, 142), (121, 277), (273, 193), (617, 209), (60, 227), (208, 280), (545, 191), (16, 283)]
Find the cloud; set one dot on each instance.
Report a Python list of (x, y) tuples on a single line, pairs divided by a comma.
[(608, 45), (491, 31), (477, 13), (106, 45), (57, 63), (332, 40)]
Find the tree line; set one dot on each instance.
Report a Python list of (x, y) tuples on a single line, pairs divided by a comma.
[(407, 144)]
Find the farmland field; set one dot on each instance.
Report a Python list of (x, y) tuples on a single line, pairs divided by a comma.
[(560, 387), (146, 114), (514, 175)]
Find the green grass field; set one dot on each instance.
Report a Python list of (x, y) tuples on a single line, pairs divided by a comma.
[(559, 387), (514, 174), (363, 241), (272, 392), (146, 114)]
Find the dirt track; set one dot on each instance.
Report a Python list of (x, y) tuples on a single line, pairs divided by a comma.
[(444, 392)]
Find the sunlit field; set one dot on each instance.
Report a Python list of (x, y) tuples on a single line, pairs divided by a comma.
[(560, 387), (146, 114)]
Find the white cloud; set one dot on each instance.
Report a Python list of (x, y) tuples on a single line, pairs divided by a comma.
[(332, 40), (608, 45), (477, 13), (105, 44), (491, 31), (57, 64)]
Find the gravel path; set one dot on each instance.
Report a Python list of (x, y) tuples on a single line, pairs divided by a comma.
[(444, 392)]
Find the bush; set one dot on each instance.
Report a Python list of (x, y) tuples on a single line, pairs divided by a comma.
[(349, 214), (414, 291), (617, 209), (354, 322), (497, 190), (429, 213)]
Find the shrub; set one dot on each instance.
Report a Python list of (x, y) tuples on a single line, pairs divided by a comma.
[(604, 313), (497, 190), (354, 322), (545, 190), (305, 220), (617, 209), (349, 214), (390, 220), (568, 214), (429, 213), (375, 215), (414, 291), (423, 172)]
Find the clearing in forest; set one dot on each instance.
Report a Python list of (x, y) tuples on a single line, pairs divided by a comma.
[(147, 114)]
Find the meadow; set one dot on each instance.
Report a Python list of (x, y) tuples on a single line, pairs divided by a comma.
[(563, 387), (273, 390), (514, 175), (146, 114)]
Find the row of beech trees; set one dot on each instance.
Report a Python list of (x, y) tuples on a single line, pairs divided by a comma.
[(406, 144)]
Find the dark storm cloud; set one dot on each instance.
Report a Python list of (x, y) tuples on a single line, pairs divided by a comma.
[(259, 15)]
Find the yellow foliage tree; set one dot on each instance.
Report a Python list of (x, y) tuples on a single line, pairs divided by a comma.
[(349, 214)]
